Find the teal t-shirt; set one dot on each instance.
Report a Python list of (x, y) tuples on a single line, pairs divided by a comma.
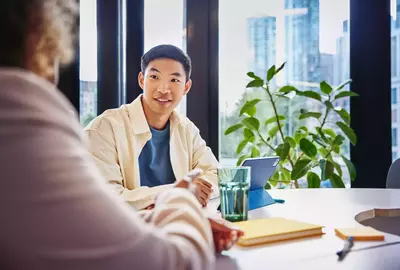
[(154, 160)]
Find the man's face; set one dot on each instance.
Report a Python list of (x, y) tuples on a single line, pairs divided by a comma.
[(164, 84)]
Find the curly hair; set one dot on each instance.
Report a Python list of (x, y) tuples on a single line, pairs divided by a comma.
[(35, 33)]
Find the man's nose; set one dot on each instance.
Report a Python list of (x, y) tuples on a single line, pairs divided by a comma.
[(164, 87)]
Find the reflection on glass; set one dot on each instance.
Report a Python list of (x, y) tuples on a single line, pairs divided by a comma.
[(311, 36), (165, 23), (88, 61)]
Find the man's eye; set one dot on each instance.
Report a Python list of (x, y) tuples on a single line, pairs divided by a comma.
[(153, 77), (175, 80)]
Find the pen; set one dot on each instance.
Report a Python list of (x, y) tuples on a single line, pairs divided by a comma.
[(348, 244), (279, 201)]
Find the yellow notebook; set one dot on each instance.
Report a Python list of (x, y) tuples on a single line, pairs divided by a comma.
[(360, 234), (261, 231)]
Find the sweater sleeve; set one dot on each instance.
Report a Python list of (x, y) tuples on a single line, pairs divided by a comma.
[(57, 212)]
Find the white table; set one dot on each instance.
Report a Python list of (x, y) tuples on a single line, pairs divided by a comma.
[(328, 207)]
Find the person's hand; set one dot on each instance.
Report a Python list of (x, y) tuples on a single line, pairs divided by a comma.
[(202, 191), (224, 234)]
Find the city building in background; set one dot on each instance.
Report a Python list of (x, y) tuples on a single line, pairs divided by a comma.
[(262, 44)]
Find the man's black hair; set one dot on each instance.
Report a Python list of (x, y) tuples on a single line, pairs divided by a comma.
[(167, 52)]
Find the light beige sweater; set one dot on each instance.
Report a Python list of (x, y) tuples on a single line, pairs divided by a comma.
[(117, 137), (56, 211)]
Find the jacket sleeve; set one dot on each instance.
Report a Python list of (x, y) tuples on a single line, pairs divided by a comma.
[(204, 159), (102, 147)]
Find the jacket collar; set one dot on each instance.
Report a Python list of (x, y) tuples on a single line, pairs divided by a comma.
[(138, 118)]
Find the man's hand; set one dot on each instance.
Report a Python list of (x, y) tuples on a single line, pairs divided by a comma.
[(203, 191), (224, 234)]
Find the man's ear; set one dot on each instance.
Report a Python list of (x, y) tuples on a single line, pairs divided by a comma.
[(188, 86), (141, 80)]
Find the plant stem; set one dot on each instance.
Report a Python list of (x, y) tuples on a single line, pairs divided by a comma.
[(264, 141), (322, 125), (279, 124), (296, 184)]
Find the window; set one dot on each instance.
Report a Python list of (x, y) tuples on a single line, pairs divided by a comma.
[(311, 36), (394, 136), (395, 35), (394, 156), (393, 49), (394, 116), (165, 23), (88, 61), (394, 95)]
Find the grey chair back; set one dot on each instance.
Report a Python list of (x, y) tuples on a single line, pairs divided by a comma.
[(393, 178)]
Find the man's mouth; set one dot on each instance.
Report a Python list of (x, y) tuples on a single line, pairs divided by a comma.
[(163, 100)]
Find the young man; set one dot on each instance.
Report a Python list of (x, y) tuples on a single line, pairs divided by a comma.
[(144, 147)]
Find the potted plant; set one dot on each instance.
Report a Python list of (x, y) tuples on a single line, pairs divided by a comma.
[(312, 151)]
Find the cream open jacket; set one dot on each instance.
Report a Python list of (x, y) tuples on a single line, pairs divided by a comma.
[(57, 211), (117, 137)]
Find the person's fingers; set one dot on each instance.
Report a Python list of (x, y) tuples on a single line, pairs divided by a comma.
[(202, 196), (182, 184), (227, 244), (206, 183), (220, 245), (205, 190)]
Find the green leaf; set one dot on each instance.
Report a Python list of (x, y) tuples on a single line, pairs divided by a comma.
[(339, 139), (323, 151), (298, 135), (336, 149), (249, 135), (233, 128), (329, 105), (283, 96), (310, 114), (301, 168), (303, 128), (280, 68), (251, 123), (310, 94), (255, 83), (287, 89), (252, 111), (325, 88), (327, 169), (322, 135), (330, 132), (350, 168), (252, 75), (346, 94), (313, 180), (240, 160), (248, 106), (283, 150), (255, 152), (271, 73), (267, 186), (273, 119), (291, 141), (308, 148), (272, 132), (344, 115), (343, 84), (241, 146), (285, 173), (337, 181), (338, 168), (348, 131)]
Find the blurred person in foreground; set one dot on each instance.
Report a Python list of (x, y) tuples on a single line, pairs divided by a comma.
[(57, 212)]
